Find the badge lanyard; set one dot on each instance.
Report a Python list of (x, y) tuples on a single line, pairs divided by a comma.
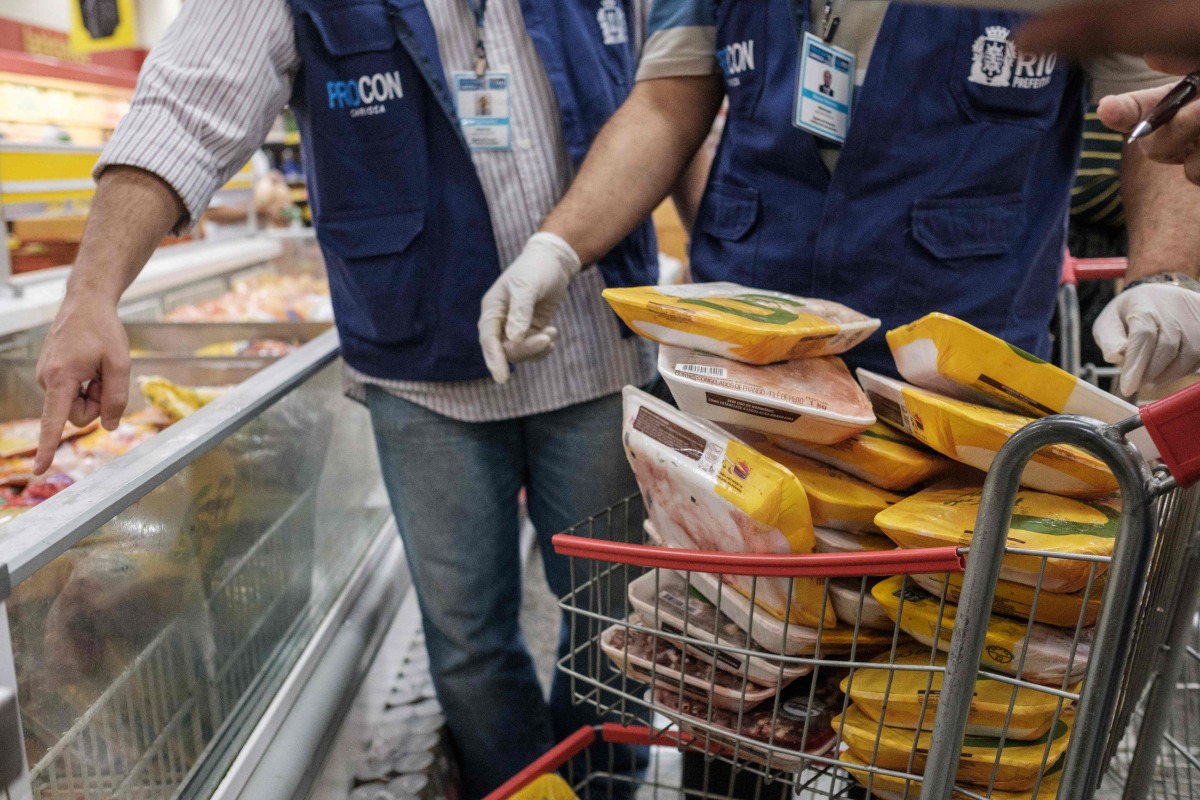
[(479, 9), (829, 23)]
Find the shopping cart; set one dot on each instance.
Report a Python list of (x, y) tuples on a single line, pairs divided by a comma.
[(1070, 326), (924, 674)]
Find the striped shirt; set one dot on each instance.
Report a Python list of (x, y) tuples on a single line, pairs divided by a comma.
[(212, 86), (1096, 196)]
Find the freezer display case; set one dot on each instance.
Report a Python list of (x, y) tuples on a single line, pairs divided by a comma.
[(152, 611)]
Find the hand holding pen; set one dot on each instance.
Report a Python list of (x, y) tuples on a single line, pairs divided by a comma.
[(1164, 122)]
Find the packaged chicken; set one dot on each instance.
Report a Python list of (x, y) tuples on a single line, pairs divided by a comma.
[(880, 455), (855, 605), (750, 325), (546, 787), (795, 725), (177, 401), (1008, 765), (247, 348), (951, 357), (811, 399), (20, 437), (1017, 600), (705, 490), (655, 660), (889, 787), (774, 635), (973, 434), (1049, 655), (909, 699), (944, 515), (835, 499), (107, 445), (667, 603), (831, 541)]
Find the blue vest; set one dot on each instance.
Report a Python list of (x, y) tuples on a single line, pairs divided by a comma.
[(399, 210), (951, 192)]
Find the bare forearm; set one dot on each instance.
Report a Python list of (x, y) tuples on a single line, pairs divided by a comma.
[(131, 213), (690, 188), (1161, 210), (634, 162)]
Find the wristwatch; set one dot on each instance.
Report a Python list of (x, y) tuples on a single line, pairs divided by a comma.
[(1174, 278)]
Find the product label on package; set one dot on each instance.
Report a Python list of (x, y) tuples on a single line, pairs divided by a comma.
[(708, 455), (996, 388), (747, 407), (703, 369)]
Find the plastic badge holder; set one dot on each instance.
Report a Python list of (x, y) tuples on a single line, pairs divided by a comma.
[(1017, 770), (787, 724), (665, 602), (750, 325), (656, 660), (973, 434), (908, 698), (951, 357), (813, 400), (1043, 654), (831, 541)]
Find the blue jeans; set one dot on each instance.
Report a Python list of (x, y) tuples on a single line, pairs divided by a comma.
[(454, 489)]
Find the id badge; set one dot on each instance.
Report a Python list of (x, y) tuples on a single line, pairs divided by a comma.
[(483, 109), (824, 89)]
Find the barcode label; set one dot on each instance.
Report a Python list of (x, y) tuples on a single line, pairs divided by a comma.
[(710, 462), (703, 369)]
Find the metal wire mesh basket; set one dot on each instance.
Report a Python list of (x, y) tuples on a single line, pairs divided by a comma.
[(903, 671)]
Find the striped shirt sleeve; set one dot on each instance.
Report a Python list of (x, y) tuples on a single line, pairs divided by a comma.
[(682, 40), (1096, 196), (207, 96)]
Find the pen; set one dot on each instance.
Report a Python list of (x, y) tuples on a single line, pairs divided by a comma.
[(1183, 93)]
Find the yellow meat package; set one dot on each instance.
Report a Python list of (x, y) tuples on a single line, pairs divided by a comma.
[(880, 455), (546, 787), (1015, 764), (1049, 654), (887, 787), (1016, 600), (177, 401), (944, 515), (951, 357), (705, 490), (909, 699), (732, 321), (973, 434), (836, 499)]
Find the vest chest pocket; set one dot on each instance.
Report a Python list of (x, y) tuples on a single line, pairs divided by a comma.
[(375, 263), (993, 82), (357, 74)]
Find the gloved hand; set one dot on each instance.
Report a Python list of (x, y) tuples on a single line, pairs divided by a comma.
[(515, 314), (1153, 332)]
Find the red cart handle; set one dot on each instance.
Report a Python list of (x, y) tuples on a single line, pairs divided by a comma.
[(1174, 426), (806, 565), (579, 741), (1078, 270)]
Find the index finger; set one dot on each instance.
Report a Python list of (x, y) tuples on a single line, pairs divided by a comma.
[(54, 418)]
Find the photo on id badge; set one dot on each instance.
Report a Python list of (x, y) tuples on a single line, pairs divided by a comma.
[(483, 109), (824, 89)]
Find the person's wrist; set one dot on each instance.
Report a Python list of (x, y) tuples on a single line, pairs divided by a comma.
[(564, 253), (1181, 279)]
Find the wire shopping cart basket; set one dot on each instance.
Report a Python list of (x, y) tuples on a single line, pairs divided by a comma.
[(1070, 324), (989, 670)]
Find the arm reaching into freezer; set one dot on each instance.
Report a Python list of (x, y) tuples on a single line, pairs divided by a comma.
[(206, 98)]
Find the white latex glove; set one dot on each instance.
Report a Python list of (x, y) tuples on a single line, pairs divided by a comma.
[(1153, 332), (515, 314)]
